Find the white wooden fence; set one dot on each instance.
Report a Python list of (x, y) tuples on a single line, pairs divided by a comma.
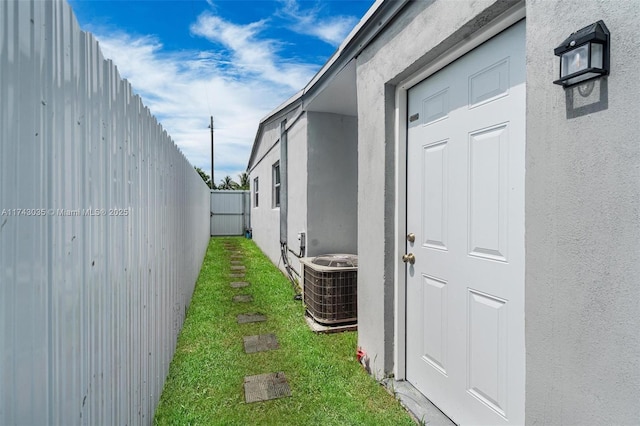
[(230, 212), (103, 228)]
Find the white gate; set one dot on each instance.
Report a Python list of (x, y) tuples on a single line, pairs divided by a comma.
[(230, 212)]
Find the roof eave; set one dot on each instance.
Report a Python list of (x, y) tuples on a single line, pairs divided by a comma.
[(372, 23)]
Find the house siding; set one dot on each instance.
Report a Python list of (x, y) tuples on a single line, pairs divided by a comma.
[(333, 184), (269, 136), (321, 188), (265, 219), (422, 32), (582, 228), (297, 191), (582, 197), (582, 202)]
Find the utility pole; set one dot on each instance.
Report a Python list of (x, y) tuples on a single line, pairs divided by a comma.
[(211, 127)]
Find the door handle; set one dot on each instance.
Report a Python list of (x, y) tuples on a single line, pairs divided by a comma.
[(409, 258)]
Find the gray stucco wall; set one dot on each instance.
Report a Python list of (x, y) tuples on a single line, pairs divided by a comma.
[(582, 224), (582, 204), (333, 184)]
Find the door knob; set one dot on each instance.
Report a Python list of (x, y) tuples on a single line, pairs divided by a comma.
[(411, 237), (409, 258)]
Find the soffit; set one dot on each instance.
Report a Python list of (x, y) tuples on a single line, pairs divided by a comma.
[(338, 96)]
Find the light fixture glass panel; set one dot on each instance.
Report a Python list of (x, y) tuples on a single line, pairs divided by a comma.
[(596, 55), (574, 60)]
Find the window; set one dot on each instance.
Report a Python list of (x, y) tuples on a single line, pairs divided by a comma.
[(255, 192), (276, 185)]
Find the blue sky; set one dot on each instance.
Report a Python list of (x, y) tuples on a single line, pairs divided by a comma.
[(234, 59)]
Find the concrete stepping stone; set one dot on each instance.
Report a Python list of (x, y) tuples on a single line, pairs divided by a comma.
[(260, 343), (236, 262), (236, 275), (243, 298), (265, 387), (239, 284), (247, 318), (238, 268)]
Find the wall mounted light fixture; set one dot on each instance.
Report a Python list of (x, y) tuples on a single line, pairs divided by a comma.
[(584, 55)]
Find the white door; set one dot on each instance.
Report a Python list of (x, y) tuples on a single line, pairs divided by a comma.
[(465, 205)]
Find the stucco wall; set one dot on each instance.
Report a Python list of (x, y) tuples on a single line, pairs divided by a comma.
[(423, 31), (297, 217), (582, 204), (582, 224), (333, 184), (271, 134), (265, 220)]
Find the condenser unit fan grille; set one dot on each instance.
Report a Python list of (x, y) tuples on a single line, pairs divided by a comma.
[(330, 293)]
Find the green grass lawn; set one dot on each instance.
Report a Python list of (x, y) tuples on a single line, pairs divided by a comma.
[(205, 382)]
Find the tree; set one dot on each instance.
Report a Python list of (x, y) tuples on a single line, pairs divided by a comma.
[(244, 181), (205, 177), (227, 184)]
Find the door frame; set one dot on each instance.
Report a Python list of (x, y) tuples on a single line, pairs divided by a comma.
[(501, 23)]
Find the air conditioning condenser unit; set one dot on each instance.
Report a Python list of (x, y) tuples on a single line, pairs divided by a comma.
[(331, 288)]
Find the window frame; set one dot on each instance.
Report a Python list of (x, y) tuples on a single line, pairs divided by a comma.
[(256, 191), (276, 179)]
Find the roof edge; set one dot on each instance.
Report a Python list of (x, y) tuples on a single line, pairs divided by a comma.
[(293, 102), (372, 23)]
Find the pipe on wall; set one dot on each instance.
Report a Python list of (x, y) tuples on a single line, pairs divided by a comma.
[(283, 181)]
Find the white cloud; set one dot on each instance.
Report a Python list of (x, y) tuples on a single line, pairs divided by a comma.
[(239, 80), (251, 55), (238, 85), (331, 30)]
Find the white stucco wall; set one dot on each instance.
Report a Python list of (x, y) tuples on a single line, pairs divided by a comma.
[(297, 217), (271, 134), (265, 219), (322, 187), (583, 224), (333, 184)]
